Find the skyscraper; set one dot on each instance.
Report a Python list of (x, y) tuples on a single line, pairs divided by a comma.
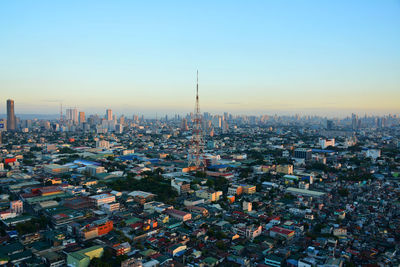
[(82, 118), (354, 121), (122, 120), (329, 124), (109, 115), (10, 115), (72, 115)]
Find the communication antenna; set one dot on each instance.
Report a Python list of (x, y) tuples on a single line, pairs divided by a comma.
[(196, 157)]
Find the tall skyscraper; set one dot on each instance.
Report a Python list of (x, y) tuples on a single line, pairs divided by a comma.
[(329, 124), (72, 115), (109, 115), (122, 120), (3, 125), (184, 125), (354, 121), (10, 115), (82, 118)]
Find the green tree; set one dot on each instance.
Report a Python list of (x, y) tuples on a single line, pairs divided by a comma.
[(221, 245), (200, 174), (343, 192)]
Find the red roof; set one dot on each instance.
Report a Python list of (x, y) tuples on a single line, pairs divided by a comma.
[(136, 225), (276, 218), (281, 230), (60, 216), (28, 195), (177, 212), (226, 174), (155, 256), (49, 189), (162, 239)]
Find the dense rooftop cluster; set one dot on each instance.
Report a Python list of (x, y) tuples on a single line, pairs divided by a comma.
[(275, 191)]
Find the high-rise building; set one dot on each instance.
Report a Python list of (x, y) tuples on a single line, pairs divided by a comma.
[(82, 117), (329, 124), (3, 125), (217, 122), (72, 115), (354, 121), (109, 115), (303, 153), (119, 128), (184, 125), (122, 120), (225, 116), (225, 127), (10, 115)]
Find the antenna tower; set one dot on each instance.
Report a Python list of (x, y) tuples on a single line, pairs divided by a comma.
[(196, 157)]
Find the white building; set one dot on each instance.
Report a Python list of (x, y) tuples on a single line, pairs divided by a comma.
[(324, 143), (7, 214), (17, 206), (102, 199), (128, 151), (72, 115), (247, 206), (111, 207), (102, 144), (303, 185), (93, 169), (373, 153)]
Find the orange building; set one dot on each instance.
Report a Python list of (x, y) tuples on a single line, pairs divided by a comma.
[(97, 228), (47, 191), (105, 228), (231, 199), (235, 190), (54, 181), (121, 249), (152, 223)]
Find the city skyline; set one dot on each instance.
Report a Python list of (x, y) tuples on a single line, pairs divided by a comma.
[(262, 58), (200, 133), (77, 114)]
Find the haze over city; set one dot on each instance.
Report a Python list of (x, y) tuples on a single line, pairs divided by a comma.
[(329, 58), (200, 133)]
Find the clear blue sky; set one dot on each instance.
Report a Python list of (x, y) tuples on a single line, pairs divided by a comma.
[(255, 57)]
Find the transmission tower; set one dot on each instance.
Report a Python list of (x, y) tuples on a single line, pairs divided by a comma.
[(196, 157)]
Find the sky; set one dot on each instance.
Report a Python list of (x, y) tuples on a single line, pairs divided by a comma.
[(254, 57)]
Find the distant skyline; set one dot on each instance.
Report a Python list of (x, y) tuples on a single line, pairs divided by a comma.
[(329, 58)]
